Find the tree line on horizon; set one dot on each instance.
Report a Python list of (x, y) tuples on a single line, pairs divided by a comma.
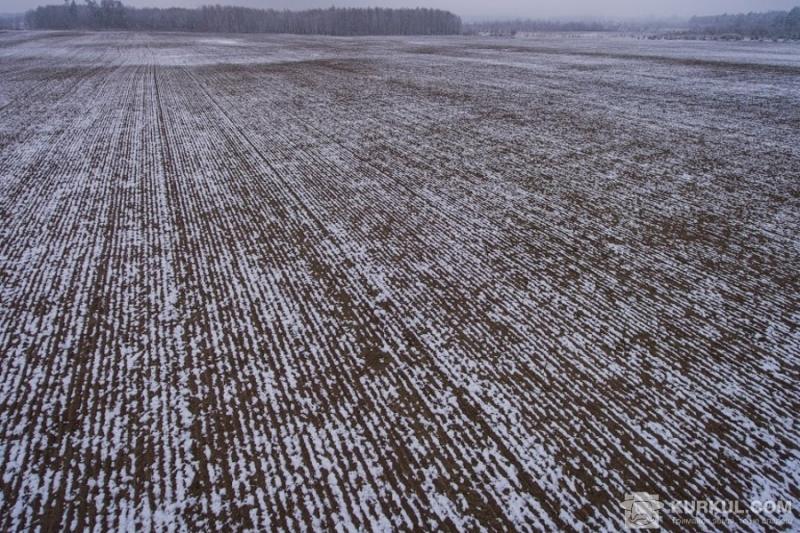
[(512, 27), (13, 21), (113, 15), (769, 25)]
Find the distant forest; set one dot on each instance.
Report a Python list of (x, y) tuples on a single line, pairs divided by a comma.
[(113, 15), (12, 21), (512, 27), (771, 25)]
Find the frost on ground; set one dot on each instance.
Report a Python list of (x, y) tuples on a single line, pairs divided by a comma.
[(292, 282)]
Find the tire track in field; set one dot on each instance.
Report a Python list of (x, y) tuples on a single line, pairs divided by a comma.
[(263, 156), (56, 442)]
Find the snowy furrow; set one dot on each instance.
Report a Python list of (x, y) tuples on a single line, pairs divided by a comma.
[(304, 283)]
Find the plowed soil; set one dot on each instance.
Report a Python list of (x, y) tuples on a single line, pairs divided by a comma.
[(437, 283)]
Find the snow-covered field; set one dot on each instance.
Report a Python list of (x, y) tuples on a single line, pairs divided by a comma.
[(295, 283)]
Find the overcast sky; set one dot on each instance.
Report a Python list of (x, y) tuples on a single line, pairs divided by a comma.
[(491, 9)]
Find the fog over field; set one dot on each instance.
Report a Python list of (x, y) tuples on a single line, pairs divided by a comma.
[(483, 266), (495, 9)]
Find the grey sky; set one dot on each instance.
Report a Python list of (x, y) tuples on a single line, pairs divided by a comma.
[(491, 9)]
